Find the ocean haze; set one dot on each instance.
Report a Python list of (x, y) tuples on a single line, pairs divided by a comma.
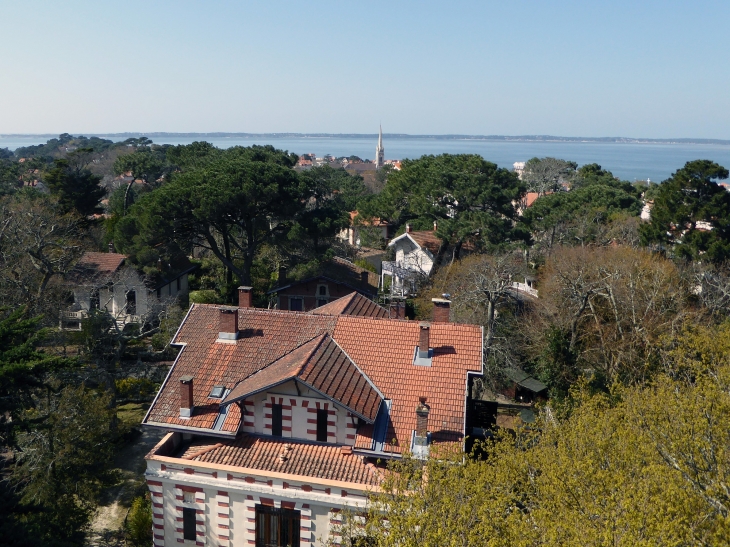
[(626, 158)]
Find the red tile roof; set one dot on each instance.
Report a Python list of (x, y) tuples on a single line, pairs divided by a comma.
[(322, 365), (352, 304), (383, 349), (427, 240), (103, 262), (303, 459)]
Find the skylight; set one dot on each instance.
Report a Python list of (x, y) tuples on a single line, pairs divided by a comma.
[(217, 392)]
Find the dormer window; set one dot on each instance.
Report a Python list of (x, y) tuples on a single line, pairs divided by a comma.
[(217, 392)]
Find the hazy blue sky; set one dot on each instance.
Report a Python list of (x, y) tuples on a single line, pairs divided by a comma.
[(576, 68)]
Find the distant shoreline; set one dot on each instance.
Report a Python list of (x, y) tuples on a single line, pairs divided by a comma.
[(505, 138)]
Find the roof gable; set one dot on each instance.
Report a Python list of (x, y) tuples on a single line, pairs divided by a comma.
[(340, 270), (425, 240), (368, 355), (321, 365), (352, 304)]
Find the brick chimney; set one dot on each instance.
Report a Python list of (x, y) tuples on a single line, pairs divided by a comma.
[(422, 411), (408, 229), (111, 246), (245, 297), (186, 397), (423, 339), (228, 325), (364, 277), (282, 275), (397, 309), (435, 225), (441, 309)]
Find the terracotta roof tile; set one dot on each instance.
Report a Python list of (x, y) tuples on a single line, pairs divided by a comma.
[(303, 459), (352, 304), (382, 349), (427, 240), (103, 262), (93, 265), (322, 365)]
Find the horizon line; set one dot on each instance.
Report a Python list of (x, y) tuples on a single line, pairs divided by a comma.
[(444, 136)]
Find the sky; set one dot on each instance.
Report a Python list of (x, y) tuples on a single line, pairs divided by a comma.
[(655, 69)]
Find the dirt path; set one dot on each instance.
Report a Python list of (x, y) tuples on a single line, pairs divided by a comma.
[(106, 527)]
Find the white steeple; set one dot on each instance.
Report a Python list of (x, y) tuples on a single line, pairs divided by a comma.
[(379, 151)]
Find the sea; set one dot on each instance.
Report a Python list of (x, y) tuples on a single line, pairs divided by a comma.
[(627, 160)]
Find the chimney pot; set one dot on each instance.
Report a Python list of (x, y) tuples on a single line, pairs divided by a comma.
[(441, 309), (435, 225), (422, 411), (186, 397), (111, 246), (423, 339), (228, 324), (282, 275), (364, 277), (245, 297), (408, 228)]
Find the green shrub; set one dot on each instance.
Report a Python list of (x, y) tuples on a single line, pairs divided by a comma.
[(205, 296), (139, 522), (135, 388)]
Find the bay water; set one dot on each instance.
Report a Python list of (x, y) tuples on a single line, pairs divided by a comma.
[(629, 161)]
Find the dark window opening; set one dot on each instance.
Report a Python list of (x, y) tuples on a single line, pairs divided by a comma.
[(323, 290), (276, 527), (131, 303), (276, 420), (189, 523), (322, 416), (296, 304)]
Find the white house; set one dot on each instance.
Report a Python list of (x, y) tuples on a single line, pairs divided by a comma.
[(105, 281), (415, 256), (278, 420)]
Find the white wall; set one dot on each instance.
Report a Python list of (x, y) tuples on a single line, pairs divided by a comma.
[(296, 414)]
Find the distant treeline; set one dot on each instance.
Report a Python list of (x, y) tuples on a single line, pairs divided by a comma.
[(522, 138)]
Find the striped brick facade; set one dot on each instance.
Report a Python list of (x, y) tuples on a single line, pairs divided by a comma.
[(305, 525), (198, 504), (286, 411), (158, 513), (312, 407)]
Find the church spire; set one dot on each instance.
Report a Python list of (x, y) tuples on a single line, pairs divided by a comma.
[(379, 151)]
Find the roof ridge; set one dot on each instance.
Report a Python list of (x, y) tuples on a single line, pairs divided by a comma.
[(267, 365), (308, 358)]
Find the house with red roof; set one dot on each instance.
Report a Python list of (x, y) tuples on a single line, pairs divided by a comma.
[(276, 420)]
